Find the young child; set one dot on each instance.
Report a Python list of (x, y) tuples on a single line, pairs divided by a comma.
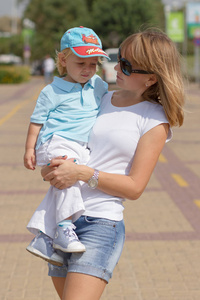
[(60, 125)]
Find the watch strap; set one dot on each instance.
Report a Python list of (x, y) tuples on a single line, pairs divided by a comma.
[(96, 174)]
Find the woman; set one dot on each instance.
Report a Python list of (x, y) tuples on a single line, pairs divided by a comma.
[(133, 125)]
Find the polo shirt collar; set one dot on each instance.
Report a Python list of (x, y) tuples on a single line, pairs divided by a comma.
[(68, 86), (91, 82)]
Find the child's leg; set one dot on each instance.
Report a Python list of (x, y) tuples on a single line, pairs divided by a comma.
[(59, 205), (68, 203), (44, 217), (51, 212)]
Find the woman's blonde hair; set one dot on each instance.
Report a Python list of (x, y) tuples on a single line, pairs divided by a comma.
[(153, 51), (60, 55)]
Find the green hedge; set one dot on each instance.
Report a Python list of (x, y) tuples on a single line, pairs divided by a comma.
[(14, 74)]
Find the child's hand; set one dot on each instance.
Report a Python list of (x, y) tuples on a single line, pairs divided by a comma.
[(29, 159)]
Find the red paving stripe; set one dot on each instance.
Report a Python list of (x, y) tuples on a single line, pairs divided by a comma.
[(11, 165), (11, 145), (162, 236), (183, 197), (180, 167), (15, 238), (187, 142), (23, 192), (136, 236)]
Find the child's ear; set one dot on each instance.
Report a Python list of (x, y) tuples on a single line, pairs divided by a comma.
[(62, 59)]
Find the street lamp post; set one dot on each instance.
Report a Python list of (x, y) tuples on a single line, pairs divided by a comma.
[(29, 26), (14, 18)]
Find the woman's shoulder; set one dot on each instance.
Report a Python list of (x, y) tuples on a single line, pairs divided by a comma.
[(152, 109), (109, 94), (153, 114), (107, 97)]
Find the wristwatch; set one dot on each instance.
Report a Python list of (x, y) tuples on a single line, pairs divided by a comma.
[(93, 181)]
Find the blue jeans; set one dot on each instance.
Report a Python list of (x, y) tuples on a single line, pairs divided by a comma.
[(103, 239)]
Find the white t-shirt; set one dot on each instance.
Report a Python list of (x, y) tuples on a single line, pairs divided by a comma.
[(113, 142)]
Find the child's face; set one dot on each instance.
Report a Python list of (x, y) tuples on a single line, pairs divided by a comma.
[(80, 69)]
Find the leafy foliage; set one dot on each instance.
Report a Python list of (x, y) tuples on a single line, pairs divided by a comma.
[(113, 20), (11, 45), (116, 19), (52, 19), (14, 74)]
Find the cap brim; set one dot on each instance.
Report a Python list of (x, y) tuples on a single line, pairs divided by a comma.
[(89, 51)]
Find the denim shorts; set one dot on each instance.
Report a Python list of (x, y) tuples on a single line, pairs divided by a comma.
[(103, 239)]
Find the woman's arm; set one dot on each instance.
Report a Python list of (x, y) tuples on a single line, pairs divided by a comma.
[(146, 157), (130, 186)]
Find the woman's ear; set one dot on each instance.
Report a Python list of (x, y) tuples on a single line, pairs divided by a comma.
[(151, 80), (62, 59)]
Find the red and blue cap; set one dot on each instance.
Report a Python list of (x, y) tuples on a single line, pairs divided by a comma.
[(83, 41)]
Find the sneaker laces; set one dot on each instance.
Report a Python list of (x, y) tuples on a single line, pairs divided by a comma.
[(70, 233), (49, 241)]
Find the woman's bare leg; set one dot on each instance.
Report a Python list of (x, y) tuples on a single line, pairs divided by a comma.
[(59, 283), (83, 287)]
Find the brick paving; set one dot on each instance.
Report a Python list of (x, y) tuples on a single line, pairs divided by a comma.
[(160, 260)]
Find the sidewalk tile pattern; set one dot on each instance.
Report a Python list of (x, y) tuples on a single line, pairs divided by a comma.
[(160, 260)]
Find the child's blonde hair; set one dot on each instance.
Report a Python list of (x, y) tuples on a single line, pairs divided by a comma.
[(59, 55), (153, 51), (64, 54)]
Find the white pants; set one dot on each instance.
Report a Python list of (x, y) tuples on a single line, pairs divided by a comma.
[(58, 205)]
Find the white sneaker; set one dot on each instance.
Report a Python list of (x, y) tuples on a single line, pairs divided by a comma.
[(66, 240), (42, 246)]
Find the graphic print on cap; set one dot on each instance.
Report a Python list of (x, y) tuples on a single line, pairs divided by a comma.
[(91, 39)]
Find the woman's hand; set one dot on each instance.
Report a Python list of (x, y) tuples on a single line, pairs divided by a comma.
[(61, 173), (47, 169)]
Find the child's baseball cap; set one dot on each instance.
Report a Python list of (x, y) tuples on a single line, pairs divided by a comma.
[(84, 42)]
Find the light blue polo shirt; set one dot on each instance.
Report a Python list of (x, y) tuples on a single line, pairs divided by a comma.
[(67, 109)]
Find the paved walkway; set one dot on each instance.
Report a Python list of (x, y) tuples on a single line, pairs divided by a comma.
[(161, 257)]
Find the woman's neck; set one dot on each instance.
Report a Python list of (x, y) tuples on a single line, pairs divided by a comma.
[(123, 98)]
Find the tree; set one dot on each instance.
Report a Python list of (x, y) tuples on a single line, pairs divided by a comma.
[(52, 19), (114, 20), (12, 45)]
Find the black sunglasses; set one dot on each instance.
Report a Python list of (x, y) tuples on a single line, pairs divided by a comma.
[(126, 66)]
